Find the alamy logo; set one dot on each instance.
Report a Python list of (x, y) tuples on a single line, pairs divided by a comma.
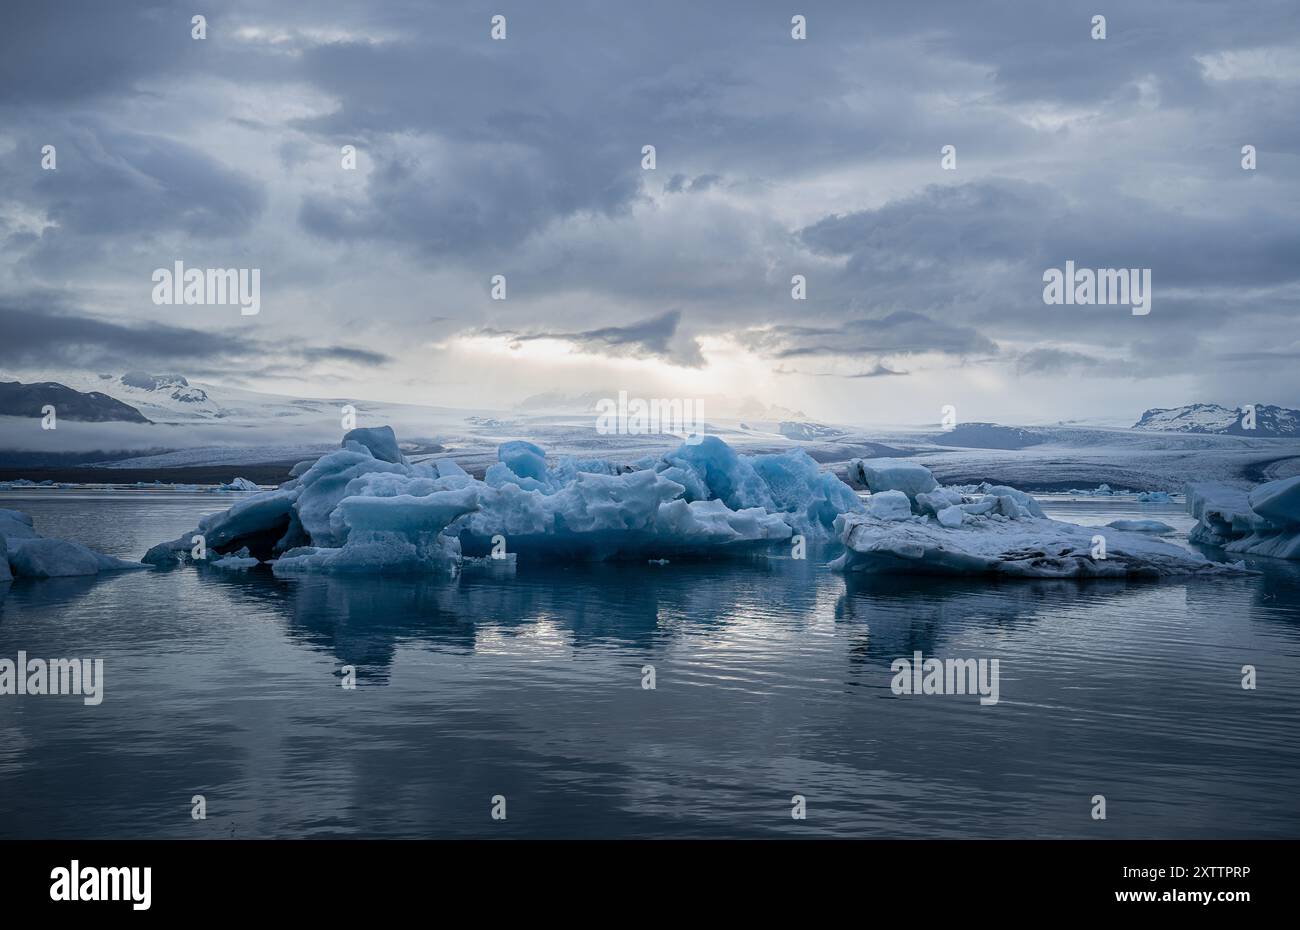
[(946, 676), (640, 417), (55, 676), (1124, 286), (209, 287), (89, 883)]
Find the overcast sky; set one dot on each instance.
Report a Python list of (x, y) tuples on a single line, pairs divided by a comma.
[(775, 157)]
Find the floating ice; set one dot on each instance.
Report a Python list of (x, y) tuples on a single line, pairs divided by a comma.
[(363, 508), (890, 505), (1004, 533), (25, 553), (1265, 521), (236, 562), (1141, 526), (239, 484), (1154, 497)]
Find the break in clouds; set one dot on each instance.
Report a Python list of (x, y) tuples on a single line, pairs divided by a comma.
[(773, 157)]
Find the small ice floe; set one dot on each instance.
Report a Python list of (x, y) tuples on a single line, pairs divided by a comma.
[(238, 484), (364, 508), (1263, 521), (1154, 527), (25, 553), (1154, 497), (236, 561), (998, 531)]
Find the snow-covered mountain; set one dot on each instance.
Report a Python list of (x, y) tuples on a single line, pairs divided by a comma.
[(29, 400), (1270, 420), (173, 398)]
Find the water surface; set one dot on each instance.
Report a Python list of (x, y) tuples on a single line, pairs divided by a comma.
[(772, 680)]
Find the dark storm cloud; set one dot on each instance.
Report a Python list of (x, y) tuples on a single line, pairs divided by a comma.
[(974, 254), (68, 52), (944, 230), (36, 336), (1037, 361), (346, 354), (654, 337), (112, 182), (879, 371), (39, 337), (900, 333)]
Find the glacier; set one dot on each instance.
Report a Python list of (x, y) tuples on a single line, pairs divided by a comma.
[(365, 508)]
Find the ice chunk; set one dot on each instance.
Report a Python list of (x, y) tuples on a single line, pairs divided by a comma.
[(1154, 497), (58, 558), (962, 542), (239, 484), (1025, 502), (938, 499), (950, 517), (403, 514), (257, 522), (1264, 521), (1278, 501), (375, 553), (892, 475), (14, 524), (26, 553), (323, 485), (236, 562), (380, 440), (810, 498), (1141, 526), (787, 482), (523, 459), (890, 505), (600, 517), (710, 469)]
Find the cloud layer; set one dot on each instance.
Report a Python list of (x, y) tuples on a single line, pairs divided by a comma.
[(775, 158)]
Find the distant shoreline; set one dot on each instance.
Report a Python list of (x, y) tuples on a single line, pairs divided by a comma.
[(266, 473)]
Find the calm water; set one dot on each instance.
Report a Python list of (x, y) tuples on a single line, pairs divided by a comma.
[(772, 680)]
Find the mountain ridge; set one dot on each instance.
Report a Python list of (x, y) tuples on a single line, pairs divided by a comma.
[(1269, 420)]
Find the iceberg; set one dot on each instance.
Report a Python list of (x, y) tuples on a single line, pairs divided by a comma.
[(25, 553), (1263, 521), (365, 508), (999, 531)]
